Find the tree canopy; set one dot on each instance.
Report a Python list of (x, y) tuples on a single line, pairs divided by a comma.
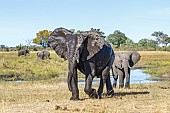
[(161, 37), (42, 38), (117, 38)]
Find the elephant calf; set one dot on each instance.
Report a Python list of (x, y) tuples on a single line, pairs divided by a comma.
[(121, 67), (43, 54), (23, 52)]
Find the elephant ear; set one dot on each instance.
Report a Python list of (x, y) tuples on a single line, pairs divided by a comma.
[(135, 57), (95, 44), (118, 60), (58, 41)]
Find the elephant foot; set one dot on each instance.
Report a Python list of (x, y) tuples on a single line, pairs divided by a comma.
[(114, 85), (121, 86), (93, 94), (99, 97), (75, 98), (110, 93), (127, 86)]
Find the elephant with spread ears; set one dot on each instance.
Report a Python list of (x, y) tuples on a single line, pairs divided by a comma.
[(90, 54), (121, 67)]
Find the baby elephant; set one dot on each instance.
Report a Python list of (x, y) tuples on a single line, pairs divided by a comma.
[(23, 52), (121, 67), (43, 54)]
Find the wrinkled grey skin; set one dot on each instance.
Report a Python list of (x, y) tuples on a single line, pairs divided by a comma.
[(23, 52), (46, 54), (121, 67), (43, 54), (40, 54), (90, 54)]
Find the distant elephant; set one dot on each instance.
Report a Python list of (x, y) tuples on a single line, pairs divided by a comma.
[(23, 52), (90, 54), (46, 54), (40, 54), (121, 67), (43, 54)]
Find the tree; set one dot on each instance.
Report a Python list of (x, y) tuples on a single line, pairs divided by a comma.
[(28, 42), (2, 46), (143, 42), (166, 41), (98, 31), (161, 37), (152, 43), (117, 38), (129, 42), (42, 38), (147, 44)]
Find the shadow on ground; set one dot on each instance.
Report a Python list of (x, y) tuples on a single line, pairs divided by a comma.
[(118, 94), (130, 93)]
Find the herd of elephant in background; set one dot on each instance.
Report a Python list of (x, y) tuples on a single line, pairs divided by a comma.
[(93, 56), (41, 54)]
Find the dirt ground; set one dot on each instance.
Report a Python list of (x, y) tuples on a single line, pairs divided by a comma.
[(52, 96)]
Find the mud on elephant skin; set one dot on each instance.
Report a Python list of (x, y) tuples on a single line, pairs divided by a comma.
[(90, 54), (121, 67)]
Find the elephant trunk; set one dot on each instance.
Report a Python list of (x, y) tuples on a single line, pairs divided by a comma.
[(125, 64)]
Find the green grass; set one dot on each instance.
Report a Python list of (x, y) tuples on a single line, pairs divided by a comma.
[(158, 62), (31, 68)]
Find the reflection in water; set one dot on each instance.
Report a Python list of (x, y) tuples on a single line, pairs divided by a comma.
[(136, 76)]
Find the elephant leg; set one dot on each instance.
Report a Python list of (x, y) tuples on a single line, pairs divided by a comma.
[(109, 88), (121, 78), (75, 91), (88, 87), (127, 84), (106, 79), (90, 74), (100, 89), (115, 77), (73, 81)]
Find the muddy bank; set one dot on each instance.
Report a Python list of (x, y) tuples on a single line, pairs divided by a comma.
[(161, 78), (140, 67), (165, 77), (10, 77)]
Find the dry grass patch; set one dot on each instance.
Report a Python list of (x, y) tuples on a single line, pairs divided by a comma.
[(52, 96)]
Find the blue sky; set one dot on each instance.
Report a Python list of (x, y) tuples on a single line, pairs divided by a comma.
[(20, 20)]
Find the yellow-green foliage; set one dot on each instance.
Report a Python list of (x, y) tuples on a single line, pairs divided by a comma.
[(157, 61), (30, 67)]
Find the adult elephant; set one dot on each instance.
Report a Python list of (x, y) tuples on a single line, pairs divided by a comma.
[(43, 54), (23, 52), (121, 67), (46, 54), (87, 52)]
